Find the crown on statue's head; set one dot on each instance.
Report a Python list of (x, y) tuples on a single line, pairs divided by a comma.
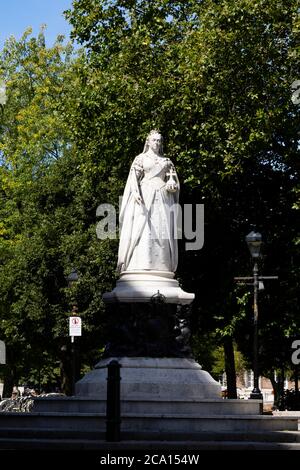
[(154, 131)]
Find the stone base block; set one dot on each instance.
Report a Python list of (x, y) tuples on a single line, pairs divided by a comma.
[(162, 379)]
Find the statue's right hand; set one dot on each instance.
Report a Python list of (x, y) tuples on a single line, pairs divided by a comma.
[(137, 197)]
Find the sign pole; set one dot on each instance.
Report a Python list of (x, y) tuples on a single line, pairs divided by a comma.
[(74, 330), (73, 364)]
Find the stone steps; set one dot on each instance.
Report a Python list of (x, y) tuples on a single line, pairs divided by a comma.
[(79, 423), (203, 407), (138, 446), (58, 421), (86, 431), (99, 436), (223, 423), (154, 422)]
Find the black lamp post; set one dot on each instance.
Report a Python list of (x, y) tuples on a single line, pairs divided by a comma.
[(254, 241), (72, 278)]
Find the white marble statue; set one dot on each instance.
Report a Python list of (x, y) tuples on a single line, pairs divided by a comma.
[(148, 253), (148, 213)]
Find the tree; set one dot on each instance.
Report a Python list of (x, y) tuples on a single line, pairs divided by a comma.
[(43, 223)]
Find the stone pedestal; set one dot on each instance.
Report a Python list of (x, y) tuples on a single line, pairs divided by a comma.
[(160, 380), (148, 317)]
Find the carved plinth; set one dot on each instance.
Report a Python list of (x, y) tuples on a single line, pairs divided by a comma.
[(149, 329)]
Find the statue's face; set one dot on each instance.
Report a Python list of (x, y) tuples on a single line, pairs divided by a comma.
[(155, 142)]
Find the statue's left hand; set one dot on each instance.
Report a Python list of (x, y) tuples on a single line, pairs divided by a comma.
[(172, 187)]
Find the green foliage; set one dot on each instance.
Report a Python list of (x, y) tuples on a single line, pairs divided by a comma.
[(45, 215), (219, 364)]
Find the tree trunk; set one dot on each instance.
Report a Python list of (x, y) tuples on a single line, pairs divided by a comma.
[(66, 370), (278, 388), (9, 381), (230, 367)]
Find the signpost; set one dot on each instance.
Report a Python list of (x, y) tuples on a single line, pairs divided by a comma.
[(75, 325)]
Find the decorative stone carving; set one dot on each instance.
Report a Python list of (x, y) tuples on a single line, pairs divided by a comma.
[(153, 329)]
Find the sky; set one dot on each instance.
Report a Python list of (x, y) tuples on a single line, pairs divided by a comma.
[(18, 15)]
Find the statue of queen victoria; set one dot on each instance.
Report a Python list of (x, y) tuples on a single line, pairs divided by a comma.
[(148, 253), (148, 239)]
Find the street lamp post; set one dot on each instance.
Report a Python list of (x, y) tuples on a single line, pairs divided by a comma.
[(254, 241), (72, 278)]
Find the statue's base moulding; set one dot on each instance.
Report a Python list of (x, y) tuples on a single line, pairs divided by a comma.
[(142, 286)]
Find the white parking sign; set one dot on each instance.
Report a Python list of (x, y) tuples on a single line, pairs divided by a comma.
[(74, 326)]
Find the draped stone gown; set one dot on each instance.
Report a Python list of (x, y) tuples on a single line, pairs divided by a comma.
[(148, 239)]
